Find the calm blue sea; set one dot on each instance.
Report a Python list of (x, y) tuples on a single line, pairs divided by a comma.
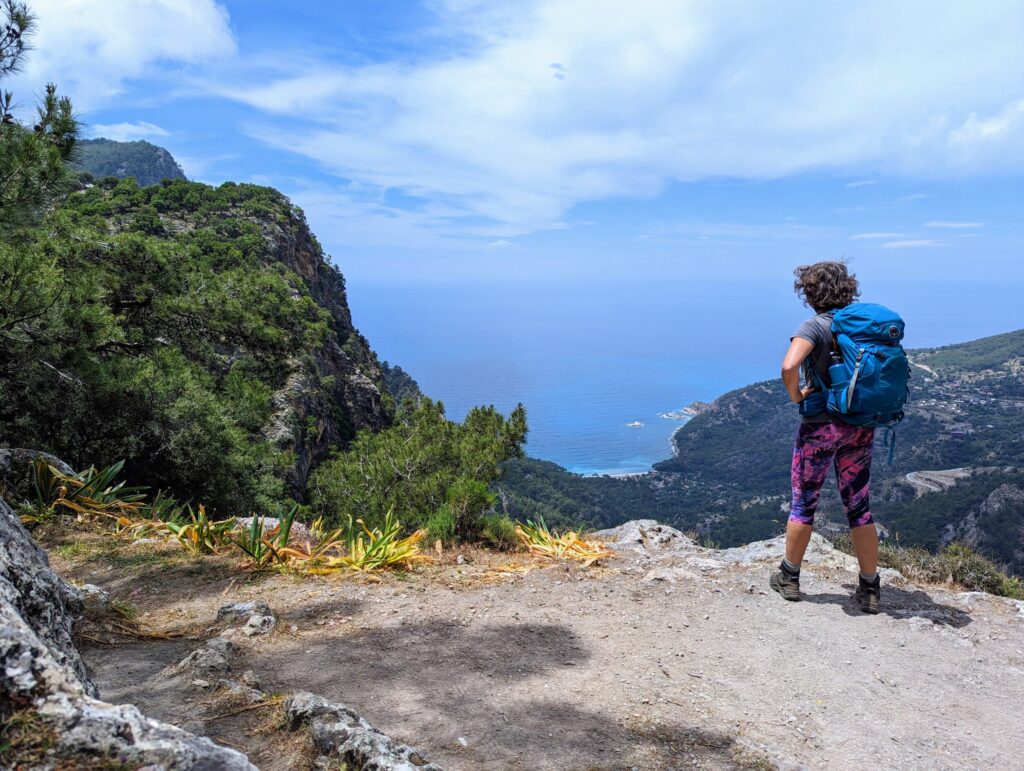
[(589, 358)]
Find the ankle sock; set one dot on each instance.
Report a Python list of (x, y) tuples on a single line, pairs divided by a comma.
[(869, 579), (790, 569)]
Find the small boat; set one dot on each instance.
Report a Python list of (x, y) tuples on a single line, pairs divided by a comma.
[(635, 424)]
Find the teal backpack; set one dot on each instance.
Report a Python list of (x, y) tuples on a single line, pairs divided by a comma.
[(869, 373)]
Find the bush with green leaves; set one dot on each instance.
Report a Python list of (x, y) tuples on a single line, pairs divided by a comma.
[(432, 472)]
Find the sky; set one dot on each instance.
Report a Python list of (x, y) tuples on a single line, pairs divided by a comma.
[(481, 140)]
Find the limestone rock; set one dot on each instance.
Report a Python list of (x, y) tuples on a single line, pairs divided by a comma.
[(299, 533), (212, 658), (259, 618), (32, 592), (820, 552), (95, 599), (339, 734), (259, 624), (42, 673), (238, 611), (646, 535)]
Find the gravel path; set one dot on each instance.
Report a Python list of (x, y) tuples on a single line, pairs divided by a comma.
[(668, 657)]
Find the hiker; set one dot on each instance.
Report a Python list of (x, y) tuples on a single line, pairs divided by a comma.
[(847, 371)]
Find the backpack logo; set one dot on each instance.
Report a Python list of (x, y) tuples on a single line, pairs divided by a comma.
[(894, 332)]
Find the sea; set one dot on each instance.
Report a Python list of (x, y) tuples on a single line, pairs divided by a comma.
[(605, 367)]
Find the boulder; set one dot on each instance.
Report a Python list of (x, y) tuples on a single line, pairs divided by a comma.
[(340, 735)]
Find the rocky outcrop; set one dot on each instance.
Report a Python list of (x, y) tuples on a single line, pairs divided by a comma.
[(644, 535), (43, 678), (38, 610), (658, 543), (340, 735)]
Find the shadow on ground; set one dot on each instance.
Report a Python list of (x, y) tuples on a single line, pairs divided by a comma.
[(432, 682), (898, 603)]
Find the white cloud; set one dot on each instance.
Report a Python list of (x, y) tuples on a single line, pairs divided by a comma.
[(862, 183), (545, 105), (954, 225), (123, 132), (1009, 120), (917, 243), (91, 47), (875, 236), (910, 198)]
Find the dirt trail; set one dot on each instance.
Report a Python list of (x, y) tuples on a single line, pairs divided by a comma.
[(669, 657)]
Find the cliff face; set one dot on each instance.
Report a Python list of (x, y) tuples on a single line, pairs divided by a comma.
[(323, 405)]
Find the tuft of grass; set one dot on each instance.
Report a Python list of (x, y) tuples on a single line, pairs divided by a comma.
[(71, 550), (956, 563), (536, 537)]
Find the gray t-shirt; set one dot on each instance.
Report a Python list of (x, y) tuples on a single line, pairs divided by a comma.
[(817, 330)]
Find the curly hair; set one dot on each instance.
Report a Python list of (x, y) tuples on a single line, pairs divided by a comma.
[(826, 286)]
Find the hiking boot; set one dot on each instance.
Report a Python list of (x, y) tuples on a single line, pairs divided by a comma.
[(786, 585), (869, 596)]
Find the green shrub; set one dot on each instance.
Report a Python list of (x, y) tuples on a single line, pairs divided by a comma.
[(420, 466), (442, 526), (499, 531)]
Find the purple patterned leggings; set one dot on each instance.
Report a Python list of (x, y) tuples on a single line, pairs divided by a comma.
[(819, 446)]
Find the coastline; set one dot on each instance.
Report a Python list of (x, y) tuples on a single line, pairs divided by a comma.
[(682, 417)]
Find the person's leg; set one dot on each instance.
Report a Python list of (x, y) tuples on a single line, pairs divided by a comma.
[(811, 459), (853, 472), (865, 546)]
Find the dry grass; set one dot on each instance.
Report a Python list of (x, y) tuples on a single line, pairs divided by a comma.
[(570, 545), (955, 564)]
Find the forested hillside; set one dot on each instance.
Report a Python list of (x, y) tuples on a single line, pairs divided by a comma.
[(145, 162), (196, 332)]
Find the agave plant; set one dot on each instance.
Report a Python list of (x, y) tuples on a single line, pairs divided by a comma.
[(376, 549), (141, 527), (325, 542), (87, 493), (256, 547), (538, 539), (201, 535), (264, 549)]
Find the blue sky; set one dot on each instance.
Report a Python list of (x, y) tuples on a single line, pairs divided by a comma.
[(458, 140)]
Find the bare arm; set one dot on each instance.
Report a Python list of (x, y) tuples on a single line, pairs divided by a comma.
[(799, 349)]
